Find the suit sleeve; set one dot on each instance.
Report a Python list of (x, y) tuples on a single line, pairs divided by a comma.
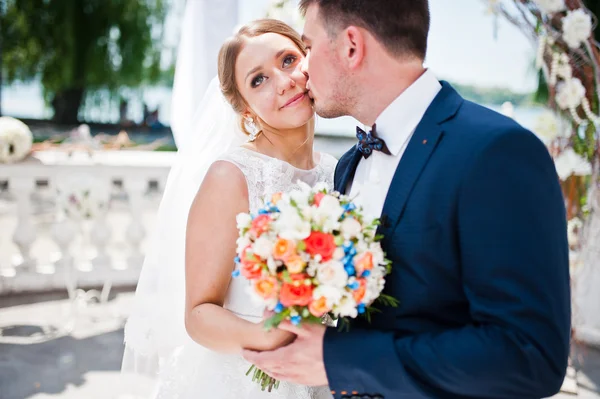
[(514, 258)]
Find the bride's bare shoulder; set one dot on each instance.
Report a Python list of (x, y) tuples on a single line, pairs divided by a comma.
[(224, 180)]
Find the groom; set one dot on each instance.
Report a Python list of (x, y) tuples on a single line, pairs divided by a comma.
[(473, 219)]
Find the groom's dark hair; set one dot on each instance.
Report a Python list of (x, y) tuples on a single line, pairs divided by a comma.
[(400, 25)]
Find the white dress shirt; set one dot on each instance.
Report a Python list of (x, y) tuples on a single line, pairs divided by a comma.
[(395, 125)]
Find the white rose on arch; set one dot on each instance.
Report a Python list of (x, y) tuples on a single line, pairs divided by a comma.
[(551, 6), (576, 27), (570, 93)]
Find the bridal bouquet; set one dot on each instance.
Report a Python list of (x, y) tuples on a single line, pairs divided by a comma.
[(311, 253)]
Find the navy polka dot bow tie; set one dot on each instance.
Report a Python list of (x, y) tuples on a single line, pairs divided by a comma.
[(369, 142)]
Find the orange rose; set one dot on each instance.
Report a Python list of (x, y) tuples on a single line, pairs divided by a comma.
[(359, 293), (296, 293), (276, 198), (251, 265), (266, 287), (260, 224), (318, 198), (318, 307), (283, 249), (363, 262), (295, 264), (320, 244)]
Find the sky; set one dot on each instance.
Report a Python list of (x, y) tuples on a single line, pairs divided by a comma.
[(462, 47)]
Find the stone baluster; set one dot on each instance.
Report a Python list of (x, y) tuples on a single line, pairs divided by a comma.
[(63, 232), (25, 233), (136, 189)]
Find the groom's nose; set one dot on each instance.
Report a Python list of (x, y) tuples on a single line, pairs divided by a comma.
[(304, 66)]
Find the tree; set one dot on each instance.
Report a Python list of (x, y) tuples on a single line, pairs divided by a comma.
[(76, 47)]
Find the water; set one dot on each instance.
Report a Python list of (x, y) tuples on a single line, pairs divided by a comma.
[(26, 101)]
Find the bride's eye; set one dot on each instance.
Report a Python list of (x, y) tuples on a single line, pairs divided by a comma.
[(289, 60), (257, 81)]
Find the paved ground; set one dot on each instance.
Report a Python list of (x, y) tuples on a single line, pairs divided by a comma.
[(45, 352)]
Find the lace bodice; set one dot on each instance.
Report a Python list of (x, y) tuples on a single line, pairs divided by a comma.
[(266, 175), (196, 372)]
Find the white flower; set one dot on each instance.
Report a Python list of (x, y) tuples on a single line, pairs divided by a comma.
[(331, 294), (332, 273), (291, 226), (15, 140), (244, 221), (546, 127), (338, 254), (328, 213), (346, 306), (570, 93), (375, 284), (272, 264), (242, 243), (320, 186), (551, 6), (263, 247), (350, 228), (378, 255), (576, 27), (569, 163)]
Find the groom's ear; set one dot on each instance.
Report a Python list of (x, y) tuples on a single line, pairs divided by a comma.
[(353, 46)]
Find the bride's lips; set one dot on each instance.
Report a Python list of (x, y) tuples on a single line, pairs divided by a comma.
[(295, 100)]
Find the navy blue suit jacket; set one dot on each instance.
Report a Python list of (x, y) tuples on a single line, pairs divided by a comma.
[(474, 222)]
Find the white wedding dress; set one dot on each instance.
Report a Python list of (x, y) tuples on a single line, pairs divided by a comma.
[(194, 372)]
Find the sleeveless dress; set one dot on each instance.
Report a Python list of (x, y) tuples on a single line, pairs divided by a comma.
[(194, 372)]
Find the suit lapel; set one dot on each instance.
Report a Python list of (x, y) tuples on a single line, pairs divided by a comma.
[(421, 146), (348, 170)]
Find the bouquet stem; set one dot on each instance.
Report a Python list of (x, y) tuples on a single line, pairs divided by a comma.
[(262, 378)]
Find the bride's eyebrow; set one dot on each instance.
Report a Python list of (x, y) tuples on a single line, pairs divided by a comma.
[(259, 67)]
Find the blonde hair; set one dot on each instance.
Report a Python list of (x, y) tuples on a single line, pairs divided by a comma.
[(231, 49)]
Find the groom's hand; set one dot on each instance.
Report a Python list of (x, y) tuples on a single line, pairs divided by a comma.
[(300, 362)]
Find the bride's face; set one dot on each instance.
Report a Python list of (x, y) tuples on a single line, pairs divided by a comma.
[(269, 78)]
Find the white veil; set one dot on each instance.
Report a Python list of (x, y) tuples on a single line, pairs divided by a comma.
[(155, 328)]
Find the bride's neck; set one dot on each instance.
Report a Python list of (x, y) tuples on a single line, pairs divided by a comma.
[(294, 146)]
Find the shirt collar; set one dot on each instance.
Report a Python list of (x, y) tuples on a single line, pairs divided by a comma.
[(397, 122)]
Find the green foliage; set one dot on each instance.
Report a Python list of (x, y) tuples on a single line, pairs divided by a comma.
[(78, 46)]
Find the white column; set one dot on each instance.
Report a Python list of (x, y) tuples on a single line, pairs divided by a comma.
[(205, 26), (25, 233), (135, 188)]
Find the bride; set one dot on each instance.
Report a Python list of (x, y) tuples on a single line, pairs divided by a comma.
[(191, 320)]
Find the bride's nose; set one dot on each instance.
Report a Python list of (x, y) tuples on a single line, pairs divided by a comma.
[(285, 82)]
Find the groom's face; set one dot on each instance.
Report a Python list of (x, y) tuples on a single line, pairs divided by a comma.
[(326, 78)]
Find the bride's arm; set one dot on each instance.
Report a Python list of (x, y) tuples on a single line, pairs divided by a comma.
[(210, 250)]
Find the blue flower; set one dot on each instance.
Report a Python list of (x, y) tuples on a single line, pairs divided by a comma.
[(295, 320), (349, 207), (237, 259), (361, 308), (235, 273), (278, 308), (348, 260), (350, 270), (263, 211), (354, 286), (366, 273), (348, 246), (352, 251)]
